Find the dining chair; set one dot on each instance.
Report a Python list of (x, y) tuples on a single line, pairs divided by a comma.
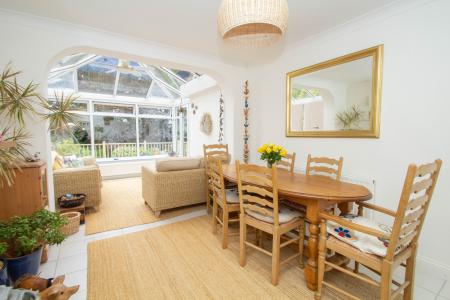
[(325, 166), (259, 208), (226, 200), (213, 150), (287, 162), (382, 249)]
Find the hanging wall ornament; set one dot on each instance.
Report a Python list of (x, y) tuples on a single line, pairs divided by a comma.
[(221, 117), (246, 125)]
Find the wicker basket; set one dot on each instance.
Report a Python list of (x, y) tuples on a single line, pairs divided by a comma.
[(74, 223)]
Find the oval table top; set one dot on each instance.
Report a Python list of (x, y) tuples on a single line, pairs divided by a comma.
[(311, 186)]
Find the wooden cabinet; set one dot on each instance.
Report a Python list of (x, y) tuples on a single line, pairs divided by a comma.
[(28, 192)]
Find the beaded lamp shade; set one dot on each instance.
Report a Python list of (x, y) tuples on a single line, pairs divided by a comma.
[(252, 23)]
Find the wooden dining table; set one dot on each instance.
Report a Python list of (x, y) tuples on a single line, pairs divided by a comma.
[(315, 193)]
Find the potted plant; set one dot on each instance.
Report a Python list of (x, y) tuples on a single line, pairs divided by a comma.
[(3, 275), (23, 239), (271, 153)]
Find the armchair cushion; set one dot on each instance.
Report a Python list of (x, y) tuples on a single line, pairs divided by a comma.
[(178, 164), (362, 241)]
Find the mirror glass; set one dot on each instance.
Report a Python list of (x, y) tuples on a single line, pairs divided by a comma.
[(335, 98)]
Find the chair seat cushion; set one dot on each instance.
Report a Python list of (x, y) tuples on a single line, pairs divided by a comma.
[(285, 215), (232, 196), (362, 241)]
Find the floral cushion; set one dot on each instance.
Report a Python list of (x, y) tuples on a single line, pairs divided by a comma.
[(362, 241), (285, 215)]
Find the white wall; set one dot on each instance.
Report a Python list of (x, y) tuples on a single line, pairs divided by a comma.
[(35, 44), (207, 101), (415, 109)]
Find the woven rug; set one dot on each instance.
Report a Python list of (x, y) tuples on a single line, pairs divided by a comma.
[(185, 260), (123, 206)]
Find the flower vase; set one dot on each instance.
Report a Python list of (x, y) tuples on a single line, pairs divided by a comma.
[(269, 165)]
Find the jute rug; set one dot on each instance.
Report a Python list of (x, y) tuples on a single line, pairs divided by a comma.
[(185, 260), (123, 206)]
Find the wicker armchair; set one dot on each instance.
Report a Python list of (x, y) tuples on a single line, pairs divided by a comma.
[(82, 180), (165, 190)]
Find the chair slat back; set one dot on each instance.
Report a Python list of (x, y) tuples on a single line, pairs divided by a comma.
[(215, 150), (325, 166), (415, 199), (287, 162), (258, 190), (217, 183)]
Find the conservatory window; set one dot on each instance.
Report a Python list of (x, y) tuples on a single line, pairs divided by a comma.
[(134, 85), (63, 82), (114, 108), (96, 79)]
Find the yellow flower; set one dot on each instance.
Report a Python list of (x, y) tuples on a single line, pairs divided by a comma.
[(269, 150), (283, 152)]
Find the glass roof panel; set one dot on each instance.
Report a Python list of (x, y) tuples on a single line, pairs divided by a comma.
[(135, 84), (64, 81), (186, 75), (166, 77), (157, 91), (71, 60), (105, 60), (94, 78)]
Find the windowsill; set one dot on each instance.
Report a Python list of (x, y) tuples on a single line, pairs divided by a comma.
[(130, 159)]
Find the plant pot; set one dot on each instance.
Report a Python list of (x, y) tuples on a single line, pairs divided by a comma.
[(27, 264), (3, 274)]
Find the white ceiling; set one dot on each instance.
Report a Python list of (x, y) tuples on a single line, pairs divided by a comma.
[(189, 24)]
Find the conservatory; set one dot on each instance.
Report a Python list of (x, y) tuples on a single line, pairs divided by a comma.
[(125, 109)]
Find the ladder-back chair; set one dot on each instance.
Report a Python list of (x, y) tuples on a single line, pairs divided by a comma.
[(259, 208), (215, 150), (325, 166), (226, 200), (400, 241), (287, 162)]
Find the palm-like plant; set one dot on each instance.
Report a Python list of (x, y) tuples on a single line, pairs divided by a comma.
[(16, 101)]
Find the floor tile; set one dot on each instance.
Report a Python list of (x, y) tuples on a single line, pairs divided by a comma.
[(80, 235), (429, 282), (80, 295), (107, 234), (73, 248), (53, 252), (47, 270), (423, 294), (77, 278), (71, 264), (445, 291)]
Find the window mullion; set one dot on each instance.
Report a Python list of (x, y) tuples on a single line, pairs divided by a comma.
[(136, 113)]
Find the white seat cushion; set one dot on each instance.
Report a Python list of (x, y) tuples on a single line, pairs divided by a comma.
[(285, 215), (364, 242), (232, 196)]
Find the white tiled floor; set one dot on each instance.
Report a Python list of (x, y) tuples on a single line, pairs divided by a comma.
[(70, 258)]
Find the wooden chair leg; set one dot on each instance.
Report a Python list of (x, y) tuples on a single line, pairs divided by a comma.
[(409, 276), (321, 260), (225, 229), (356, 269), (386, 280), (301, 232), (243, 238), (276, 256), (214, 217)]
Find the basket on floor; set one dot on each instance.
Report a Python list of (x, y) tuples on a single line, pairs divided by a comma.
[(74, 223)]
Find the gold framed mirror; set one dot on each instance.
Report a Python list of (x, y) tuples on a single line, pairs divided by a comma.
[(340, 97)]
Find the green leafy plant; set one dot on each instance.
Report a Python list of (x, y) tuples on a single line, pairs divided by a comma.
[(24, 235), (60, 112), (349, 119), (16, 101)]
